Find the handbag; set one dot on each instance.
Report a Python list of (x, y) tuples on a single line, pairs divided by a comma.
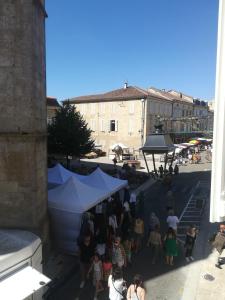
[(124, 291)]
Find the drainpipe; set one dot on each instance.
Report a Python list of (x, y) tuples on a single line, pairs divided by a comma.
[(143, 106)]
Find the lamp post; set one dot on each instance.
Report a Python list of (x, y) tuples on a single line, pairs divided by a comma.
[(158, 143)]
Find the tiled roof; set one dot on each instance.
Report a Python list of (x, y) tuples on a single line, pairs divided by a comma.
[(128, 93), (133, 93), (52, 102), (184, 97), (160, 93)]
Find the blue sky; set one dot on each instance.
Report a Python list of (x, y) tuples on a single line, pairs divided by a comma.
[(94, 46)]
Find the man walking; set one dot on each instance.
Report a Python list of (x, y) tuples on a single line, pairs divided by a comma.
[(219, 246)]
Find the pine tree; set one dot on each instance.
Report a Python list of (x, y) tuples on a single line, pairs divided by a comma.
[(68, 134)]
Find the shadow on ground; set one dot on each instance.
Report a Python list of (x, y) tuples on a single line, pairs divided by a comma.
[(155, 201)]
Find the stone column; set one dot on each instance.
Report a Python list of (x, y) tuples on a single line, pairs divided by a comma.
[(23, 167)]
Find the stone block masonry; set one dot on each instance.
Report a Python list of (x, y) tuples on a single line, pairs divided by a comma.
[(23, 157)]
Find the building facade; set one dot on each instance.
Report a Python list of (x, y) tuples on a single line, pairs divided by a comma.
[(128, 115), (23, 159), (52, 107)]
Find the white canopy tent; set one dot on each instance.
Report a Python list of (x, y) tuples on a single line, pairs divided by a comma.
[(59, 175), (119, 144), (101, 180), (67, 203)]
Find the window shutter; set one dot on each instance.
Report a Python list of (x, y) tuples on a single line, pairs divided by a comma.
[(107, 125), (116, 125), (131, 107), (130, 126)]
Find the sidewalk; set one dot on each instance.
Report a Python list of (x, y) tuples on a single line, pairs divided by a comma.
[(204, 280)]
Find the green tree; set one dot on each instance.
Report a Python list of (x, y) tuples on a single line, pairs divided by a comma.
[(68, 134)]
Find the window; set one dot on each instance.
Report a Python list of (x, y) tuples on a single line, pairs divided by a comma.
[(102, 125), (93, 108), (49, 120), (131, 108), (113, 108), (130, 126), (113, 125), (102, 107), (92, 125)]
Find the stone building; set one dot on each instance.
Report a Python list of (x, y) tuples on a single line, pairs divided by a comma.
[(23, 182), (128, 114), (52, 107)]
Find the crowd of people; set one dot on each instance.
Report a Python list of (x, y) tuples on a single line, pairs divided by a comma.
[(113, 233)]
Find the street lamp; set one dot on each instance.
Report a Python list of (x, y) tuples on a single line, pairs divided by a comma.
[(158, 143)]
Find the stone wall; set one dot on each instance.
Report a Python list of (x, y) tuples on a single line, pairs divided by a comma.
[(23, 176)]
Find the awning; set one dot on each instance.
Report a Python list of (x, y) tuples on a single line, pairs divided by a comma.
[(22, 284)]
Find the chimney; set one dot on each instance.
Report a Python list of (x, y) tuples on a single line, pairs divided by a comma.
[(125, 85), (181, 95)]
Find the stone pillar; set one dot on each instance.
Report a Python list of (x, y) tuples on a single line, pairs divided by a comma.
[(23, 157)]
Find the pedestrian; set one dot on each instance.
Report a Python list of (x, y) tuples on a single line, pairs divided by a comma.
[(170, 170), (118, 254), (170, 243), (161, 171), (87, 251), (136, 290), (176, 169), (113, 222), (153, 221), (96, 267), (190, 242), (172, 221), (127, 245), (132, 201), (126, 224), (116, 284), (190, 158), (155, 243), (101, 239), (218, 244), (170, 201), (138, 233), (107, 268)]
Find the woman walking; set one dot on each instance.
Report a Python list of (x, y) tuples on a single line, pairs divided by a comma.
[(136, 290), (96, 267), (155, 242), (116, 284), (170, 243), (190, 242)]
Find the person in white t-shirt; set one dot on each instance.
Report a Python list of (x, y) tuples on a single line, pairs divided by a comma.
[(113, 222), (116, 284), (172, 221)]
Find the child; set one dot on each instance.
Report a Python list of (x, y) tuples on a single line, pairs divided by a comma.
[(96, 266), (107, 268)]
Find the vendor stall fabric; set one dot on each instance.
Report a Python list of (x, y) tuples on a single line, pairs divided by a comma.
[(101, 180), (67, 203), (59, 174)]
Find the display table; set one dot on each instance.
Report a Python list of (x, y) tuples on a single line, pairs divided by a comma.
[(132, 163)]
